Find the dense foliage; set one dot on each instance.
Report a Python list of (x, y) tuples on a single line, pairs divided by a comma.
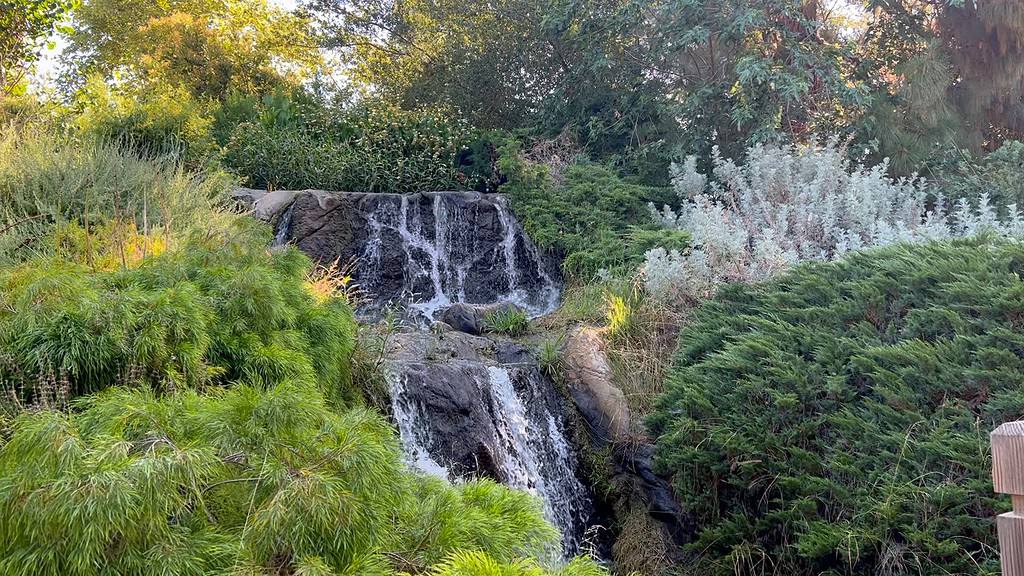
[(594, 218), (25, 25), (215, 310), (373, 148), (996, 175), (835, 421), (256, 479), (786, 205), (210, 48), (48, 181), (162, 121)]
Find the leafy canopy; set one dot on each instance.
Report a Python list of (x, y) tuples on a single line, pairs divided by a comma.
[(209, 47), (24, 26)]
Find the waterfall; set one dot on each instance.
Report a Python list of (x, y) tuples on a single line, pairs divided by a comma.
[(522, 436), (464, 406), (429, 250), (536, 456), (414, 436), (284, 226)]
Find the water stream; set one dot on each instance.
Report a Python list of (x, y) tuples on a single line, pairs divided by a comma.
[(525, 442), (461, 414)]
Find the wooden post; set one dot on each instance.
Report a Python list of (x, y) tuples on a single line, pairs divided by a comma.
[(1008, 478)]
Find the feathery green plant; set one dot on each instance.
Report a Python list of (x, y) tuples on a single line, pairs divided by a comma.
[(836, 420), (242, 480), (48, 180), (219, 310)]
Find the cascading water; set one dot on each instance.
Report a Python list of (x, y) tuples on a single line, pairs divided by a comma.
[(536, 455), (426, 251), (460, 412), (518, 437)]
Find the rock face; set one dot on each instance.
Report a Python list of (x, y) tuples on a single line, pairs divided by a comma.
[(425, 251), (590, 381), (463, 318), (468, 406), (604, 407)]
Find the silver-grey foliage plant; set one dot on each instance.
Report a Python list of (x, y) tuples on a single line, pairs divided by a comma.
[(790, 204)]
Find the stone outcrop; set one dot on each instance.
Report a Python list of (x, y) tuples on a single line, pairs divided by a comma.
[(637, 489), (468, 406), (589, 375), (424, 251)]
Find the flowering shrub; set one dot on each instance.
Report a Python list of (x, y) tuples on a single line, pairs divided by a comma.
[(792, 204)]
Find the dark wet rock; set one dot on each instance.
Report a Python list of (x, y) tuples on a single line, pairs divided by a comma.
[(604, 408), (468, 406), (463, 318), (425, 250)]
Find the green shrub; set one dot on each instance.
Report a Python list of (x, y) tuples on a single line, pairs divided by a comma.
[(219, 309), (246, 480), (159, 120), (999, 174), (372, 148), (593, 217), (48, 181), (835, 420), (508, 320)]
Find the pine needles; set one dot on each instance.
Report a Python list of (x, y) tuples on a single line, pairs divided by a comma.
[(243, 480), (835, 421)]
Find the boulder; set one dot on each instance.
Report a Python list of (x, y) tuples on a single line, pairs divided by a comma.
[(245, 198), (272, 204), (463, 318), (589, 375)]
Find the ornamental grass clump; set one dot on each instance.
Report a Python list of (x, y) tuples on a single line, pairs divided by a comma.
[(48, 180), (835, 420)]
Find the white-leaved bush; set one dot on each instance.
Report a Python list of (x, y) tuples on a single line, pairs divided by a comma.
[(792, 204)]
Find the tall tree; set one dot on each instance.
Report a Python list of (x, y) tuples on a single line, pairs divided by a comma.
[(946, 73), (985, 41), (491, 61), (210, 47), (25, 25), (749, 71)]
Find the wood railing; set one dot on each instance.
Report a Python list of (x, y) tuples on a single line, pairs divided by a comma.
[(1008, 478)]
